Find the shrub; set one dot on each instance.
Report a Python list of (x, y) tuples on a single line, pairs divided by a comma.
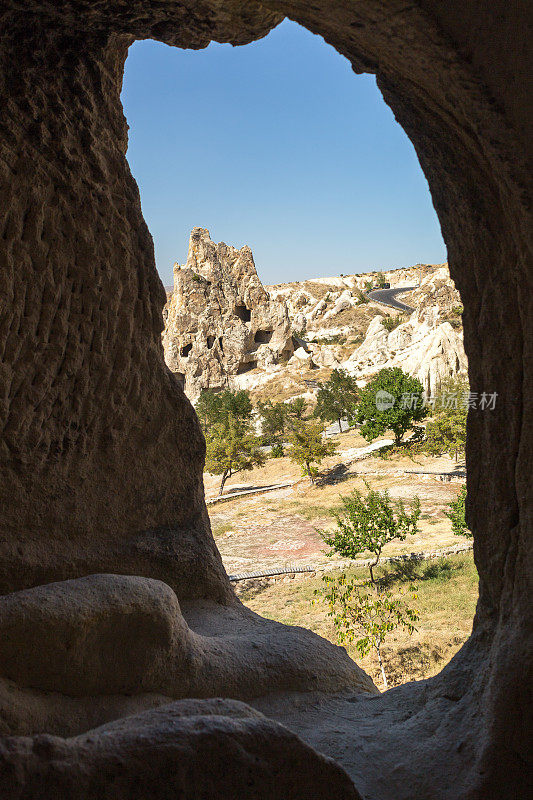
[(389, 323), (457, 514)]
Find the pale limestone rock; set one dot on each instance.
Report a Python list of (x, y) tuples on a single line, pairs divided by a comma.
[(344, 301), (301, 354), (423, 346), (220, 321)]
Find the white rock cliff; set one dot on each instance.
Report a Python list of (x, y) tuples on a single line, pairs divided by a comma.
[(219, 321)]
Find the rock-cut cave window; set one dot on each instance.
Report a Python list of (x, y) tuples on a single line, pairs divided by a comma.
[(244, 313), (246, 367), (185, 350), (263, 337), (210, 341)]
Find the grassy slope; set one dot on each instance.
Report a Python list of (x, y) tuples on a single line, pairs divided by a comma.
[(447, 595)]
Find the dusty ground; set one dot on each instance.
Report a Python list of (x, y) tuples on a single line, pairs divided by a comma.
[(279, 528)]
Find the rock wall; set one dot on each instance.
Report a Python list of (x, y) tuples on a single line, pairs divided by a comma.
[(88, 409), (101, 455), (423, 347), (344, 329), (219, 320)]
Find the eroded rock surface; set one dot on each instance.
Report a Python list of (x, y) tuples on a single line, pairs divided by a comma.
[(422, 346), (100, 452), (191, 749), (219, 321), (118, 635)]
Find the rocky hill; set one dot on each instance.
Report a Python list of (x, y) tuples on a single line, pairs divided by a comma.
[(219, 320), (223, 328)]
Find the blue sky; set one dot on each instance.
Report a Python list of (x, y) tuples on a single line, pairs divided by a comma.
[(278, 145)]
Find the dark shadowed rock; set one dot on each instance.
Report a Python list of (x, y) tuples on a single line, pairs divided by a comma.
[(189, 750), (101, 454)]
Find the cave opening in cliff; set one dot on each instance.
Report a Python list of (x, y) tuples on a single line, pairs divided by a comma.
[(311, 170), (263, 337), (102, 492), (243, 312)]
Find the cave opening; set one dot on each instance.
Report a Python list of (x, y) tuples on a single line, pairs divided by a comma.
[(84, 413), (243, 312), (263, 337), (246, 366)]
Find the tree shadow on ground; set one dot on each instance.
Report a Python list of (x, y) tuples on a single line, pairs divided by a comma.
[(337, 474), (410, 569)]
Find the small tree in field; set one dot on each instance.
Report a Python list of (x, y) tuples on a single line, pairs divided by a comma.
[(446, 432), (273, 422), (337, 398), (368, 523), (457, 514), (308, 447), (391, 401), (232, 447), (296, 408), (214, 407), (371, 614)]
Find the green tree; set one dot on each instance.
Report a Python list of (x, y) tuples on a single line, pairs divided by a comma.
[(231, 446), (214, 407), (337, 398), (205, 408), (457, 514), (446, 432), (359, 609), (391, 401), (273, 421), (297, 408), (277, 420), (368, 523), (308, 447)]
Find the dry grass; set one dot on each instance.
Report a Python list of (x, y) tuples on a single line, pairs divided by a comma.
[(447, 596), (289, 383), (274, 529)]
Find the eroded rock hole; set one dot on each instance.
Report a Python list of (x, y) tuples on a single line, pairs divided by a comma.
[(246, 366), (263, 337), (243, 313), (185, 350)]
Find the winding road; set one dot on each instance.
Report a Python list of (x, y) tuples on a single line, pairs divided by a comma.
[(388, 297)]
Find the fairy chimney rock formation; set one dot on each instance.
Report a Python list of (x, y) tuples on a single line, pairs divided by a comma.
[(219, 320)]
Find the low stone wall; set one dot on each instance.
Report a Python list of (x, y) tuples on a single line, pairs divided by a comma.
[(259, 582)]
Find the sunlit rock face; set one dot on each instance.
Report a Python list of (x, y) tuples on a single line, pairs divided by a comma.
[(423, 347), (219, 321)]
